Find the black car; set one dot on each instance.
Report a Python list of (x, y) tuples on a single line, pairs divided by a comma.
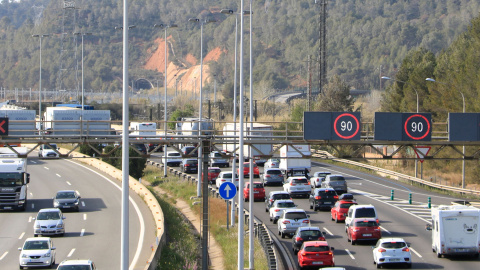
[(190, 151), (275, 195), (67, 200), (140, 148), (306, 234), (189, 165), (322, 198)]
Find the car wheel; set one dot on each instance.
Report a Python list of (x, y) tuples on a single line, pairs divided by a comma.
[(409, 265), (266, 209), (379, 266), (279, 233), (275, 221), (439, 255), (336, 219), (282, 234), (353, 242), (311, 205), (21, 267), (271, 218), (35, 235)]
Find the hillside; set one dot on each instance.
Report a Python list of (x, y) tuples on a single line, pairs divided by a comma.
[(366, 38)]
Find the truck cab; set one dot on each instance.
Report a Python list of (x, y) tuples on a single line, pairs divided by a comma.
[(13, 183)]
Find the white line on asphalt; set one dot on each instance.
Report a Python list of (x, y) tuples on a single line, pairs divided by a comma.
[(328, 231), (29, 219), (82, 232), (46, 168), (83, 203), (350, 254), (33, 205), (69, 183), (385, 230), (3, 256), (58, 175), (84, 216), (34, 162), (414, 251), (21, 235), (71, 253), (31, 194)]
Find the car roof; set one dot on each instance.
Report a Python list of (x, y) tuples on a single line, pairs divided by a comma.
[(322, 189), (189, 159), (315, 243), (393, 239), (321, 172), (297, 177), (332, 175), (211, 168), (49, 210), (278, 192), (272, 169), (308, 229), (282, 201), (38, 238), (363, 206), (70, 190), (348, 201), (76, 262), (364, 219), (294, 210)]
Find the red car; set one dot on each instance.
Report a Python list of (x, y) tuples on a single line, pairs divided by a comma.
[(315, 254), (213, 173), (246, 170), (363, 229), (258, 191), (340, 209)]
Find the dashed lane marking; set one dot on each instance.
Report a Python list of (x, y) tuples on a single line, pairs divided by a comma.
[(3, 256), (350, 254), (71, 252)]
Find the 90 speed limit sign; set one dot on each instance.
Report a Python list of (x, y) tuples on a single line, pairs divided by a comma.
[(331, 126), (346, 126), (417, 127)]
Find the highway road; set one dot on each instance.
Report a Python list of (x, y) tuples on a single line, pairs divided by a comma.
[(94, 232)]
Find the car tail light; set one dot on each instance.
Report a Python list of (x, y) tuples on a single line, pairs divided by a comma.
[(292, 184), (318, 197), (378, 221), (406, 249), (377, 229), (223, 180), (280, 175), (286, 222), (271, 200), (335, 197), (307, 184), (277, 210), (304, 253), (306, 221), (266, 175), (382, 250), (298, 239), (321, 238)]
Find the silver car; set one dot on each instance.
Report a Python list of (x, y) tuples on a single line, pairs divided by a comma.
[(49, 221), (272, 163), (272, 176), (291, 220), (277, 209)]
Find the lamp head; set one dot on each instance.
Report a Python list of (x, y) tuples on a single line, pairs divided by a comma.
[(430, 80)]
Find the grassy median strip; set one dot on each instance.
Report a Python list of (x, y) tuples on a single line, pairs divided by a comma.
[(227, 239)]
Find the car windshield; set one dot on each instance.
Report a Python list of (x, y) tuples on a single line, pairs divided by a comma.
[(273, 172), (366, 224), (321, 174), (314, 233), (74, 267), (65, 195), (30, 245), (299, 181), (48, 216), (217, 155), (316, 248), (174, 154), (281, 196), (285, 205), (296, 215), (11, 179), (365, 212), (227, 175), (346, 205), (393, 245)]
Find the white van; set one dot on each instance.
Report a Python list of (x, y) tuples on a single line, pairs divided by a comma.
[(360, 211)]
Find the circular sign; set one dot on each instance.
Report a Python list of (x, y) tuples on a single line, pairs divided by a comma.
[(346, 126), (417, 127), (227, 190)]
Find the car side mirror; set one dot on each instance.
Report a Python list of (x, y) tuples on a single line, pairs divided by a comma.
[(332, 248), (79, 197), (373, 247), (19, 249), (308, 216), (53, 248), (64, 217), (428, 227)]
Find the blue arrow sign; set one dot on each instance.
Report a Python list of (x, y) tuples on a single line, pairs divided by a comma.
[(227, 190)]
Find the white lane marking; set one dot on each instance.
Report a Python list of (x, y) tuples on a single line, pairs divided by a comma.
[(414, 251), (385, 230), (31, 194), (140, 216), (3, 256), (69, 183), (58, 175), (33, 206), (34, 162), (30, 219), (83, 203), (82, 232), (71, 253), (328, 231), (21, 235), (46, 168), (84, 216), (350, 254)]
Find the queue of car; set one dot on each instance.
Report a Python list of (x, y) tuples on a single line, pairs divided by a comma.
[(39, 251)]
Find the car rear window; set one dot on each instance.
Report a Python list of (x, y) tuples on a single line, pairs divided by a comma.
[(296, 215), (365, 212), (214, 170), (393, 244), (281, 196), (285, 205), (337, 178), (192, 161), (227, 175), (257, 185), (299, 181), (346, 205), (316, 248), (327, 193), (313, 233), (175, 154), (274, 172), (364, 223)]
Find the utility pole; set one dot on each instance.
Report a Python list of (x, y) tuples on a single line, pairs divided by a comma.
[(322, 53)]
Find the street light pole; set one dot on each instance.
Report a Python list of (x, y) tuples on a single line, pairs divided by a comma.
[(463, 148), (40, 37)]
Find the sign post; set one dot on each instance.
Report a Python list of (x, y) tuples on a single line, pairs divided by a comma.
[(227, 191), (421, 152)]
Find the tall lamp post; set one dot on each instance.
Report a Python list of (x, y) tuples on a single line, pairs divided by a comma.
[(165, 27), (463, 148), (40, 37), (83, 89)]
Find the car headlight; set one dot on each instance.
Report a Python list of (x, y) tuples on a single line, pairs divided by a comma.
[(24, 255), (55, 203), (37, 226), (48, 254), (76, 202), (60, 225)]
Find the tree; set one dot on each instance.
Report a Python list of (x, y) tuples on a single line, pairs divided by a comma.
[(336, 97)]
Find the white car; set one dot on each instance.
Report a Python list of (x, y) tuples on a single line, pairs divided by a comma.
[(226, 177), (272, 163), (297, 186), (317, 179), (218, 159), (277, 209), (76, 265), (48, 151), (37, 252), (391, 251), (49, 221), (290, 220)]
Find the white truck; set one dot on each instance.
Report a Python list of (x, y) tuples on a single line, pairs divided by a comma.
[(259, 151), (143, 129), (455, 230), (67, 121), (20, 122), (295, 160), (190, 126), (13, 179)]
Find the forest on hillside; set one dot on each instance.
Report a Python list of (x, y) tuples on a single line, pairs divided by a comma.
[(366, 39)]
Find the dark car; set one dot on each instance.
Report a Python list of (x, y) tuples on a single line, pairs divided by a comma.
[(306, 234), (275, 195), (67, 200), (190, 151), (322, 198), (140, 148), (189, 165)]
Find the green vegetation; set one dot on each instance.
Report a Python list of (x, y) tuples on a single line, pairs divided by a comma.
[(182, 189), (136, 164)]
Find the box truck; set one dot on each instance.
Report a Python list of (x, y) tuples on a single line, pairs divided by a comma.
[(295, 160), (455, 230), (190, 126), (259, 151), (67, 121), (20, 122), (13, 179)]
